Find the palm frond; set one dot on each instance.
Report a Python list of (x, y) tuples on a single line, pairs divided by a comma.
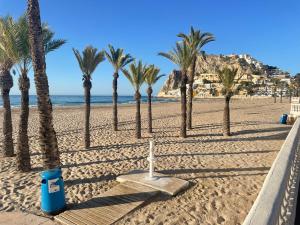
[(14, 41), (136, 74), (50, 44), (79, 59), (182, 55), (228, 78), (8, 35), (196, 40), (128, 76), (53, 45), (89, 60), (117, 57), (151, 76)]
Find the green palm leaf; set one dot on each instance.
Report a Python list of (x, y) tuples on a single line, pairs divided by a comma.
[(181, 55), (229, 78), (136, 74), (151, 76), (89, 60), (117, 58)]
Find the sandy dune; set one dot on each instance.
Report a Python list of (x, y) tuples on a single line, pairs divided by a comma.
[(225, 173)]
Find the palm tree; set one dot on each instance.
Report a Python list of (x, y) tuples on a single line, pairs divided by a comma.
[(88, 62), (136, 76), (290, 91), (296, 82), (282, 85), (182, 55), (23, 66), (118, 60), (151, 78), (7, 46), (196, 40), (47, 135), (275, 82), (248, 86), (228, 78)]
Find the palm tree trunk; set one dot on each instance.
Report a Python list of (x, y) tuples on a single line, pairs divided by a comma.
[(275, 96), (190, 95), (8, 146), (87, 94), (183, 104), (47, 135), (115, 101), (138, 115), (226, 118), (280, 97), (6, 83), (23, 155), (290, 97), (149, 92)]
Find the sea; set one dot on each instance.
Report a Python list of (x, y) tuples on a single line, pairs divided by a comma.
[(78, 100)]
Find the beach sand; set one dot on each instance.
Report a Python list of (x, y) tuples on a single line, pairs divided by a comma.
[(226, 173)]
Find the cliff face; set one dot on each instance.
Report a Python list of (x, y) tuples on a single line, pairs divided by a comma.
[(206, 69)]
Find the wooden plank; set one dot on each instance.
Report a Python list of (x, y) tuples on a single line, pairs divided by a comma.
[(109, 207), (90, 218), (64, 221), (69, 216), (105, 214), (119, 210)]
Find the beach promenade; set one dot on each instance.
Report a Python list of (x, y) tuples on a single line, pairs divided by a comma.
[(226, 173)]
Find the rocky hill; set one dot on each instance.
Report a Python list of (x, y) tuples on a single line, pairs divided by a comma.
[(209, 65)]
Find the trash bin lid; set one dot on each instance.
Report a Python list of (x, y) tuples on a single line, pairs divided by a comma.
[(50, 174)]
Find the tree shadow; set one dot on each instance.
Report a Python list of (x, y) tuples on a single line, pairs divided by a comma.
[(242, 132), (106, 147), (210, 170), (228, 175), (115, 200), (205, 135), (215, 153), (109, 177), (280, 136), (219, 125), (101, 161)]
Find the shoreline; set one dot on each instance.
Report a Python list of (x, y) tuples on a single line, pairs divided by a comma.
[(173, 100)]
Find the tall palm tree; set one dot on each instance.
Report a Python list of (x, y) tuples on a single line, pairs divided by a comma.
[(47, 135), (228, 78), (282, 85), (118, 60), (182, 55), (290, 92), (7, 46), (151, 78), (196, 40), (136, 76), (296, 84), (88, 62), (275, 82), (23, 66)]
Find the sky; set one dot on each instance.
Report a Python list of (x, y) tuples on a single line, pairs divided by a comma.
[(268, 30)]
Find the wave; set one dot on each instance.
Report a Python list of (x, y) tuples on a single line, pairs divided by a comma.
[(77, 100)]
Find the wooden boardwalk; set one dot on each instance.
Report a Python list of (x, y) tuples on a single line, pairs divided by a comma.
[(108, 207)]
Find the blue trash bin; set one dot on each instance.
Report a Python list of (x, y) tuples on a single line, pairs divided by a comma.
[(52, 191), (283, 118)]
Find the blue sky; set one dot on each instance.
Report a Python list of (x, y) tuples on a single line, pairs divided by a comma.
[(269, 30)]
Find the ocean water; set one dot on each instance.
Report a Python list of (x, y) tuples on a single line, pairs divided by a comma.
[(77, 100)]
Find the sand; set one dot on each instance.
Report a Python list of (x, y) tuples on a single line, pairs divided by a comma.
[(226, 173)]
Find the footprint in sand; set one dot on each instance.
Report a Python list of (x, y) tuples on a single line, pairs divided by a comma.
[(220, 220), (214, 205)]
